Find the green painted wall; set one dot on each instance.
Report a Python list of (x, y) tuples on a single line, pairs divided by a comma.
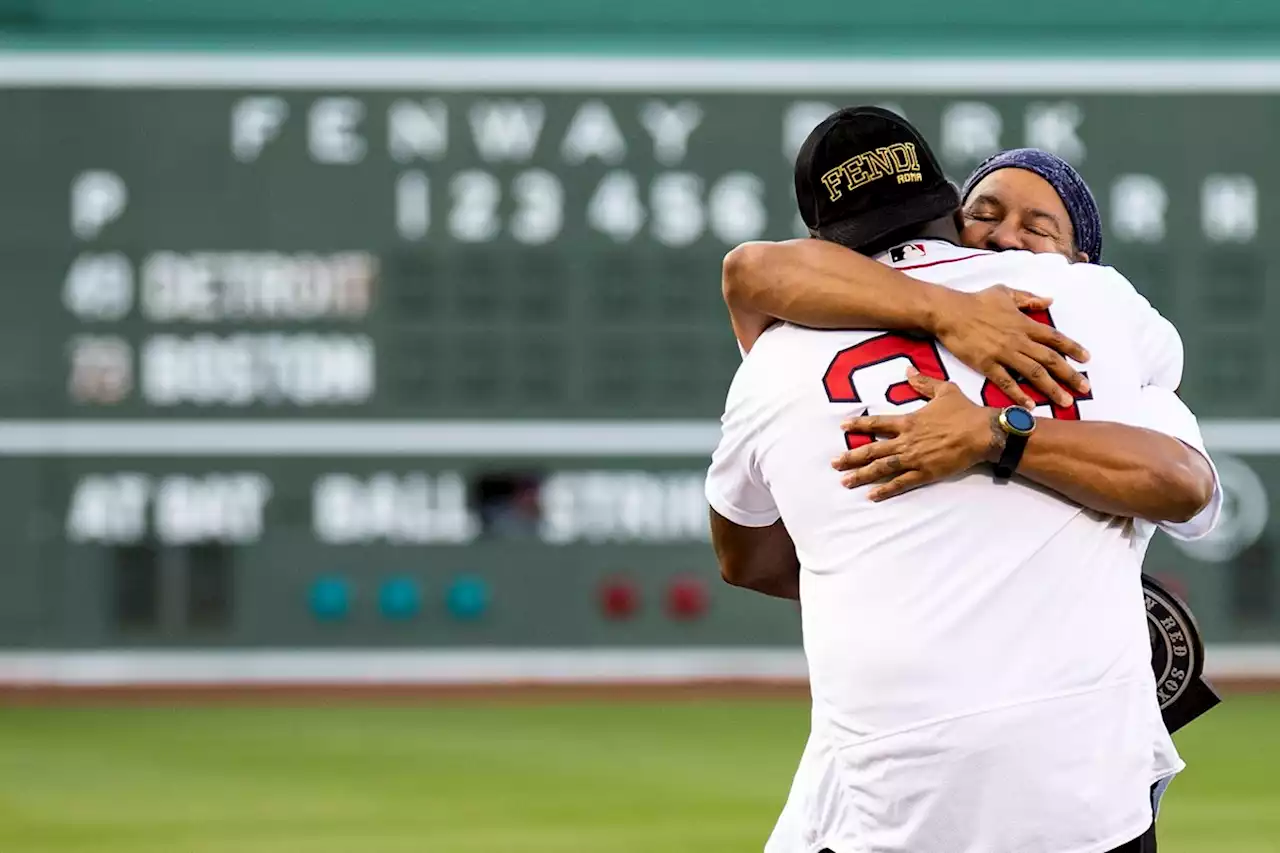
[(1086, 26), (482, 255), (76, 579)]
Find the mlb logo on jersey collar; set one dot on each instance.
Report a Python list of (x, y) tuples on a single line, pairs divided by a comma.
[(906, 252)]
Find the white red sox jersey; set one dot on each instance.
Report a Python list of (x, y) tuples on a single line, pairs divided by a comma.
[(978, 652)]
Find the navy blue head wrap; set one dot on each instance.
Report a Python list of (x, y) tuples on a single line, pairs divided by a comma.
[(1066, 181)]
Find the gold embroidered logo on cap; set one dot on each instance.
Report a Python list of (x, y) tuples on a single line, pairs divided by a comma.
[(898, 159)]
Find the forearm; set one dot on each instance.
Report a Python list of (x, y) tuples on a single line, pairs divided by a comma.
[(771, 569), (761, 559), (784, 583), (1117, 469), (822, 285)]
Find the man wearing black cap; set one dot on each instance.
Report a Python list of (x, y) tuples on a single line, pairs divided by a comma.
[(1020, 199), (979, 662), (904, 192)]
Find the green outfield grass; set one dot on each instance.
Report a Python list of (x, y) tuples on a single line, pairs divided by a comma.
[(706, 777)]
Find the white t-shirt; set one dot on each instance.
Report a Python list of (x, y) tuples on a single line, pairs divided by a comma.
[(978, 652)]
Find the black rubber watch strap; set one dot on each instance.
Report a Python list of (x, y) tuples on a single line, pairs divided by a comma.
[(1014, 445)]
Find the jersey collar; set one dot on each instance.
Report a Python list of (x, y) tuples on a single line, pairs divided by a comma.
[(919, 252)]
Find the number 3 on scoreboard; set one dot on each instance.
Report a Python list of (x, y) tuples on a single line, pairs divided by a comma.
[(924, 357)]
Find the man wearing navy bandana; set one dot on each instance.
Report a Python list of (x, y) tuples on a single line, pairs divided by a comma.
[(993, 223)]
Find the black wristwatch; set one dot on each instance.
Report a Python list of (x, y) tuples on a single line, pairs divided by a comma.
[(1018, 424)]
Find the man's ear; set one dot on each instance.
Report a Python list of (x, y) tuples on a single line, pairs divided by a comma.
[(1082, 257)]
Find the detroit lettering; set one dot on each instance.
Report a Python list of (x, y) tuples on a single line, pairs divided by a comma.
[(898, 159)]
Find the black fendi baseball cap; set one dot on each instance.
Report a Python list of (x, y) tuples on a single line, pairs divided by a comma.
[(865, 173)]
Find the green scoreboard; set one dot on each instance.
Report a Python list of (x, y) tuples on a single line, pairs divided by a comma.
[(427, 351)]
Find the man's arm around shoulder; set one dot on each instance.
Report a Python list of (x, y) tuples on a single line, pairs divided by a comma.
[(821, 285)]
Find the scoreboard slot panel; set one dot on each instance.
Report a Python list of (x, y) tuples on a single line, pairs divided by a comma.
[(421, 281)]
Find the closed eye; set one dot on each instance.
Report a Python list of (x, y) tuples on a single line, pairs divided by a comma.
[(1038, 216)]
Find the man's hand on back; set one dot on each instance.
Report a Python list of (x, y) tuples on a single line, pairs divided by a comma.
[(949, 435), (989, 332)]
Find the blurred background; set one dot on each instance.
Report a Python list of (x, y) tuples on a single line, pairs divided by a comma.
[(361, 360)]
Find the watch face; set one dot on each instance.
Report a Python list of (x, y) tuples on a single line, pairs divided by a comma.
[(1019, 419)]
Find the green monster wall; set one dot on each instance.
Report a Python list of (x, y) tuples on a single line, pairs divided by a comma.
[(420, 351)]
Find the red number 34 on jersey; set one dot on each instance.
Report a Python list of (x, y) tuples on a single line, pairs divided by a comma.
[(841, 384)]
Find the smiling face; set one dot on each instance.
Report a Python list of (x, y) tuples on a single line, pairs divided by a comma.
[(1016, 209)]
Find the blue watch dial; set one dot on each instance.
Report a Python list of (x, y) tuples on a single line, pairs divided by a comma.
[(1020, 419)]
